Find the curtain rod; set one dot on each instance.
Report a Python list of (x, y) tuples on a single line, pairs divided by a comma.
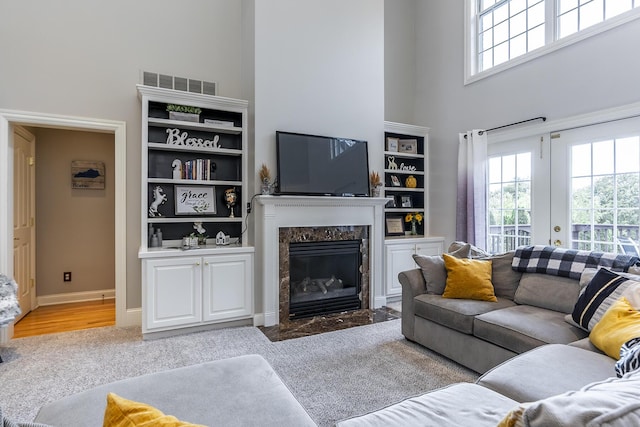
[(544, 119)]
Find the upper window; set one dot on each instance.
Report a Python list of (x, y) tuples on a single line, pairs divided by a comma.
[(502, 30)]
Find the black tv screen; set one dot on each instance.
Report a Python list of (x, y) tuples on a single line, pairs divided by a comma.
[(321, 165)]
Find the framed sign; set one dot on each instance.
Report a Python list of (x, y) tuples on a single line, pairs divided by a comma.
[(395, 226), (195, 200), (406, 201), (392, 144)]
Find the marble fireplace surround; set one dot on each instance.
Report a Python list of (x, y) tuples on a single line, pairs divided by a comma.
[(276, 212)]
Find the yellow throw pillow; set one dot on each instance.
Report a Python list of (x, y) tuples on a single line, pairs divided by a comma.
[(619, 324), (468, 279), (121, 412)]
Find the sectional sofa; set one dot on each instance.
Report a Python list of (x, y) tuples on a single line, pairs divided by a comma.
[(539, 363)]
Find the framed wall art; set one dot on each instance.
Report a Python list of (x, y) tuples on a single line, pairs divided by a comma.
[(87, 174), (195, 200), (395, 226)]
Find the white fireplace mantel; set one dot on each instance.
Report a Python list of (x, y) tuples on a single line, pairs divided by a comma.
[(275, 212)]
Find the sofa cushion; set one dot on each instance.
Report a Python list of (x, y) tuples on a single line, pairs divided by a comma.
[(468, 278), (504, 278), (524, 327), (546, 291), (457, 314), (612, 402), (546, 371), (456, 405), (603, 290), (620, 324), (121, 412), (433, 271), (629, 357)]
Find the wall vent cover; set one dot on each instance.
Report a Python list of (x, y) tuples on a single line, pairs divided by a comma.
[(179, 83)]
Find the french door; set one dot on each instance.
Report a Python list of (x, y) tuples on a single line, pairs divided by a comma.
[(577, 188), (595, 192)]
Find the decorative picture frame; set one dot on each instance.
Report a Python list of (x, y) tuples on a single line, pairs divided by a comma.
[(395, 181), (87, 175), (408, 146), (391, 202), (195, 200), (406, 201), (394, 226), (392, 144)]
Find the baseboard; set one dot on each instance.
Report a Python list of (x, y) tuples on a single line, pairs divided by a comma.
[(132, 317), (76, 297), (258, 319), (379, 302)]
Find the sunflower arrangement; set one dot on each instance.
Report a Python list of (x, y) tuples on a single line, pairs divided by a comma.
[(413, 217)]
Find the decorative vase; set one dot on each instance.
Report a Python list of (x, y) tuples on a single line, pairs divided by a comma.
[(411, 182), (265, 188), (414, 228), (185, 117), (375, 191)]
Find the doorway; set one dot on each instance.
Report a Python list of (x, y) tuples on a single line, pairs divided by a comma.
[(10, 119)]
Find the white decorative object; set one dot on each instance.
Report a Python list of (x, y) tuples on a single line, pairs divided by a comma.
[(174, 137), (407, 167), (198, 227), (177, 169), (392, 163), (185, 117), (222, 239), (159, 198)]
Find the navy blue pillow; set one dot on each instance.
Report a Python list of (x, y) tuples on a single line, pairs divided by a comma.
[(595, 299)]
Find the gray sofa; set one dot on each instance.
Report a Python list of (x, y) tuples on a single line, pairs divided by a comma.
[(240, 391), (538, 368), (552, 385), (530, 311)]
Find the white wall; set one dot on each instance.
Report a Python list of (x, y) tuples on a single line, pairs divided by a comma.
[(400, 61), (83, 58), (591, 75), (319, 69)]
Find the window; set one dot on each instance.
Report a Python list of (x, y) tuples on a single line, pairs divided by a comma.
[(508, 29), (500, 31)]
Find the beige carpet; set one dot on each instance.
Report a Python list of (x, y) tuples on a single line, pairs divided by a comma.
[(334, 375)]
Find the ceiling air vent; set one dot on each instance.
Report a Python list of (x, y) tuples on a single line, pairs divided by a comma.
[(179, 83)]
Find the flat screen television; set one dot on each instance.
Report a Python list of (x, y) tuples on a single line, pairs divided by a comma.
[(321, 165)]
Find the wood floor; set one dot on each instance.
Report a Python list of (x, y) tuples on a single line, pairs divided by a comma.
[(66, 317)]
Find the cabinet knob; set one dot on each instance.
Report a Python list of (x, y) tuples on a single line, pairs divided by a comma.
[(206, 263), (197, 263)]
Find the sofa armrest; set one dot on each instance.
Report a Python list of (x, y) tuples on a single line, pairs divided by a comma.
[(413, 284)]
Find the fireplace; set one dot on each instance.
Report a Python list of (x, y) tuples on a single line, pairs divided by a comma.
[(331, 259), (281, 220), (324, 277)]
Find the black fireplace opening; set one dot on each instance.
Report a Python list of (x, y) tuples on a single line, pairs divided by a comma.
[(324, 277)]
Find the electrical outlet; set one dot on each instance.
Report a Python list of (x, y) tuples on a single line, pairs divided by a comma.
[(248, 207), (66, 276)]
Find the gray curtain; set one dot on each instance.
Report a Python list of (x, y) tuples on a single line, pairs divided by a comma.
[(471, 206)]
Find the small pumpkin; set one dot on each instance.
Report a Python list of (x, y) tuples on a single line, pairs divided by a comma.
[(411, 182)]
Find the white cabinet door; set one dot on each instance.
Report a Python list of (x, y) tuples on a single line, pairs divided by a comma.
[(430, 248), (172, 293), (227, 282), (399, 258)]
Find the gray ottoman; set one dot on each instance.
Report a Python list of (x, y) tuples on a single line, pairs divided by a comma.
[(240, 391)]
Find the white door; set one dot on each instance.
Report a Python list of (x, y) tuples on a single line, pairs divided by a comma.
[(24, 253), (518, 206), (595, 196)]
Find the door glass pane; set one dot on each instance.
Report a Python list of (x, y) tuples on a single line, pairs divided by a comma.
[(605, 194), (509, 202)]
